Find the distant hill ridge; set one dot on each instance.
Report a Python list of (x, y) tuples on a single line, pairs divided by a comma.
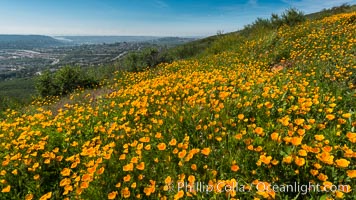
[(42, 41), (105, 39), (27, 41)]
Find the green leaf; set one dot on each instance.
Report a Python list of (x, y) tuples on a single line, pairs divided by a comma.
[(324, 197), (296, 197)]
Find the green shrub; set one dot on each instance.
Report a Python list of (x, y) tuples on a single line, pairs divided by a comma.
[(149, 57), (276, 21), (64, 81), (292, 17), (45, 84)]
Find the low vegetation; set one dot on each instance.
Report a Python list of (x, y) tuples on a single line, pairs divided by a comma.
[(16, 93), (147, 58), (64, 81), (247, 114)]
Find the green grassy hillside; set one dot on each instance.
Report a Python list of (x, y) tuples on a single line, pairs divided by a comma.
[(15, 93), (199, 47), (270, 115)]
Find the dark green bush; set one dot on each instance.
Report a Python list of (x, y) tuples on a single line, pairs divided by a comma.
[(45, 84), (290, 17), (149, 57), (64, 81)]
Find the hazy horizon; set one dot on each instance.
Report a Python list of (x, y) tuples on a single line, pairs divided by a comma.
[(163, 18)]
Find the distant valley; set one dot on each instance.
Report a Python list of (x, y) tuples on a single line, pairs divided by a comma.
[(27, 55), (103, 39), (41, 41)]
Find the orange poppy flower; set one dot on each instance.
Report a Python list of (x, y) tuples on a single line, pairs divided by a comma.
[(84, 185), (259, 131), (206, 151), (6, 189), (125, 192), (141, 166), (343, 163), (65, 172), (161, 146), (235, 168), (112, 195), (299, 161), (351, 173)]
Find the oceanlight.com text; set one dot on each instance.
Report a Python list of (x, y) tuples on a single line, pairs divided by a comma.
[(201, 187)]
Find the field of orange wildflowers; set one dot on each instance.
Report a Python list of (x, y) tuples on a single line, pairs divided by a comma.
[(223, 126)]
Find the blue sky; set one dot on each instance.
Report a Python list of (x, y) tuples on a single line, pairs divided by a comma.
[(142, 17)]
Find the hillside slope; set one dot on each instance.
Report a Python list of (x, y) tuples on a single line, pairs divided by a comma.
[(275, 110)]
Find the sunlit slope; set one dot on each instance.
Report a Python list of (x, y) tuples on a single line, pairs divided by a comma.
[(276, 109)]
